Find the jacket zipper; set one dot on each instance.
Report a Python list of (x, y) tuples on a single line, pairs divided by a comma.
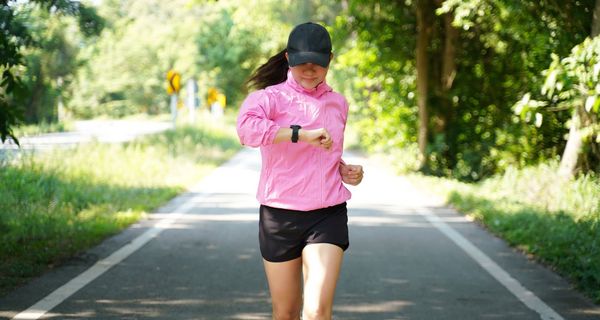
[(322, 173)]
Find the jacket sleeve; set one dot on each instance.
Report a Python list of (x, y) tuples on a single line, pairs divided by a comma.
[(254, 125)]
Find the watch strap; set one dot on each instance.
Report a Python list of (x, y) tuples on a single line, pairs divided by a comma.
[(295, 129)]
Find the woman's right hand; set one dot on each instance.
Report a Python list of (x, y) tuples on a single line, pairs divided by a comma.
[(316, 137)]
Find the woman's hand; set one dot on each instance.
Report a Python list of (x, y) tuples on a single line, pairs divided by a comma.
[(351, 174), (317, 137)]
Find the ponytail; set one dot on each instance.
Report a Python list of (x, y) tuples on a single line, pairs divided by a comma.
[(274, 71)]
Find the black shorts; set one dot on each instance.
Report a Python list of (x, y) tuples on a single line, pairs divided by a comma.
[(284, 233)]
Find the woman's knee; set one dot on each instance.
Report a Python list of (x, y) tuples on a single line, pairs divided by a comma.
[(316, 312), (292, 313)]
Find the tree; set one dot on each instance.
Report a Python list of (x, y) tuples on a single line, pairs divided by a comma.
[(572, 84), (571, 159), (218, 43), (481, 56), (375, 67), (15, 36), (424, 10)]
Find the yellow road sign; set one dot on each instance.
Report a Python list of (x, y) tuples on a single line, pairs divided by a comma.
[(222, 100), (212, 95), (173, 82), (215, 96)]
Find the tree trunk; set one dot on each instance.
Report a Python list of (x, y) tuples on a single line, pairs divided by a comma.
[(449, 58), (571, 156), (448, 73), (423, 30), (33, 107), (595, 20)]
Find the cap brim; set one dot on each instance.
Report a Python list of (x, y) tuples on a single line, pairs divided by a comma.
[(319, 58)]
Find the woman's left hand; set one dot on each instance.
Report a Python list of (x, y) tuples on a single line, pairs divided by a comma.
[(351, 174)]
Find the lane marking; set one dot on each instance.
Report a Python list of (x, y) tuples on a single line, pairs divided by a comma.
[(523, 294), (68, 289), (59, 295), (64, 292)]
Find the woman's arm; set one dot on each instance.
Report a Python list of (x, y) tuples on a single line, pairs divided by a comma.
[(254, 126), (316, 137)]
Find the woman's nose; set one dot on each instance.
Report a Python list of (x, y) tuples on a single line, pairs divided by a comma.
[(309, 67)]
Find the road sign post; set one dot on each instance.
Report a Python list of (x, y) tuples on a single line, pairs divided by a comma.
[(192, 100), (173, 86)]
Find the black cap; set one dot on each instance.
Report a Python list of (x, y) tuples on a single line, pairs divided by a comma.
[(309, 42)]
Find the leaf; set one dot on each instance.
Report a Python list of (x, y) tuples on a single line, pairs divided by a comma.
[(522, 106), (538, 119), (596, 71), (589, 102), (549, 85)]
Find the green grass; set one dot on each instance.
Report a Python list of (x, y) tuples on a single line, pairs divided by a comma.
[(59, 203), (555, 221), (44, 127)]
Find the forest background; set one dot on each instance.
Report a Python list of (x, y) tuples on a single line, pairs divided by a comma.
[(498, 99)]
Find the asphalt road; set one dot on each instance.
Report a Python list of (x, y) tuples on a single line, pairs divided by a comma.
[(197, 258)]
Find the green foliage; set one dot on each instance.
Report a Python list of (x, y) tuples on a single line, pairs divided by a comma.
[(57, 204), (501, 50), (375, 70), (214, 43), (508, 45), (16, 36), (49, 64), (556, 220), (570, 82), (229, 46), (125, 68)]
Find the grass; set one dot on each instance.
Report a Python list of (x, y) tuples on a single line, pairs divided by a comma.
[(56, 204), (552, 220), (44, 127)]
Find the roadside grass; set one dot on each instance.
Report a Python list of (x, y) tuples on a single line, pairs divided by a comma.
[(44, 127), (554, 221), (56, 204)]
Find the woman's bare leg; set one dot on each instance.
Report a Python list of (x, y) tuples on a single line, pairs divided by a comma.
[(321, 265), (285, 284)]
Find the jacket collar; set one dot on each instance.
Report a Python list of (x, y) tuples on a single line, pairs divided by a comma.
[(316, 92)]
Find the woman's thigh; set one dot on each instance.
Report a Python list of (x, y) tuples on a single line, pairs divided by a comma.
[(285, 285), (321, 264)]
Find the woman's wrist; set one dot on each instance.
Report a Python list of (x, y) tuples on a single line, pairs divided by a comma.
[(301, 135), (283, 134)]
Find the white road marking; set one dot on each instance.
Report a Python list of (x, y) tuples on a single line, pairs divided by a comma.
[(523, 294), (64, 292), (61, 294)]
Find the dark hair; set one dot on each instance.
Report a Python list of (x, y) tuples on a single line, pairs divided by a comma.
[(274, 71)]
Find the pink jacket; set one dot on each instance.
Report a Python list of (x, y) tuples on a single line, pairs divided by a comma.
[(296, 176)]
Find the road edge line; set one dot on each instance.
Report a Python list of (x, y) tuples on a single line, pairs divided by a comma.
[(511, 284), (43, 306)]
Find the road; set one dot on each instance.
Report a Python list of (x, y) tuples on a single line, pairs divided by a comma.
[(109, 131), (197, 258)]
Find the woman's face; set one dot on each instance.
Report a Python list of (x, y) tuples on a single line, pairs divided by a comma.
[(308, 75)]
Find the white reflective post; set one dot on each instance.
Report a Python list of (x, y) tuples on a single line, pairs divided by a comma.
[(174, 109), (192, 92)]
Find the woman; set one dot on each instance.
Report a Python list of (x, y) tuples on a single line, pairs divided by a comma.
[(298, 122)]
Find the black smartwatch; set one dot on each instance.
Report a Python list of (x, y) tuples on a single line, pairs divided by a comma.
[(295, 129)]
